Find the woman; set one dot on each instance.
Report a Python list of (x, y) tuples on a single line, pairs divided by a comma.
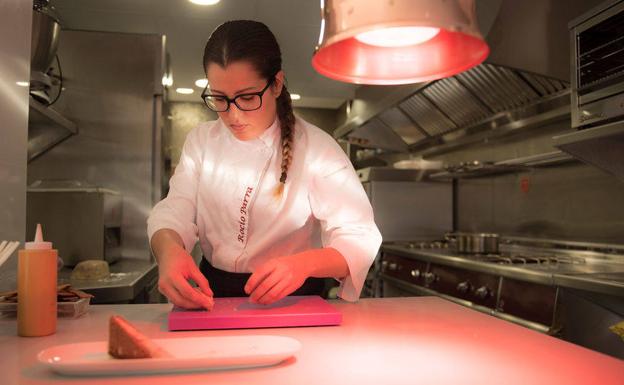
[(273, 200)]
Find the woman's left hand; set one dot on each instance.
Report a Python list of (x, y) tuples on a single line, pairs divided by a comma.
[(277, 278)]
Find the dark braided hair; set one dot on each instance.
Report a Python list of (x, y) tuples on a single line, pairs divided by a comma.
[(252, 41)]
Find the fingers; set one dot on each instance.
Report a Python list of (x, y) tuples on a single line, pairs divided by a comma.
[(194, 295), (182, 294), (201, 281), (210, 303), (175, 269), (267, 284), (258, 276), (174, 296), (277, 292)]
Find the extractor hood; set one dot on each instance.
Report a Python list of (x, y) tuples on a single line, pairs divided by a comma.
[(488, 98), (524, 83)]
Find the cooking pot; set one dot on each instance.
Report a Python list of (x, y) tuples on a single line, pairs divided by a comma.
[(473, 243)]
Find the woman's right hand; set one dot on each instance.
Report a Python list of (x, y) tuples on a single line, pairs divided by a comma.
[(175, 268)]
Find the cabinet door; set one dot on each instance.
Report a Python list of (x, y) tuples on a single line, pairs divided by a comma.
[(528, 300)]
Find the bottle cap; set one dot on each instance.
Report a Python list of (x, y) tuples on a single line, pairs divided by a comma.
[(38, 243)]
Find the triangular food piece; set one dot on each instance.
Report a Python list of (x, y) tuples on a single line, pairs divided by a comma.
[(125, 341)]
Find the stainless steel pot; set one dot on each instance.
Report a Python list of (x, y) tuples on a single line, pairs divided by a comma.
[(474, 243)]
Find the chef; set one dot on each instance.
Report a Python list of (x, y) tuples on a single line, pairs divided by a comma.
[(273, 201)]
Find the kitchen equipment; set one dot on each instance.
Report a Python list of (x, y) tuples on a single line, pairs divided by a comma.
[(597, 72), (475, 243), (566, 288), (406, 204), (597, 104), (237, 313), (47, 128), (424, 168), (84, 221), (120, 150), (44, 43), (487, 282), (6, 249), (392, 42), (188, 355)]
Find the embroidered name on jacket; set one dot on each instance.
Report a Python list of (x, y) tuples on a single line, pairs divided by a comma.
[(243, 220)]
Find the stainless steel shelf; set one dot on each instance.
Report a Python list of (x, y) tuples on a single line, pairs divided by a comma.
[(601, 147), (46, 129), (506, 166), (129, 277), (481, 171), (391, 174)]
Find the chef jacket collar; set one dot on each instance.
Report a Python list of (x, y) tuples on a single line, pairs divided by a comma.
[(270, 135), (266, 140)]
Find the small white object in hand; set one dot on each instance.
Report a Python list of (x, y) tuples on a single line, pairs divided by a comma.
[(6, 250)]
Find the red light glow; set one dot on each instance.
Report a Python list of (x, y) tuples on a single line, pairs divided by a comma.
[(443, 55)]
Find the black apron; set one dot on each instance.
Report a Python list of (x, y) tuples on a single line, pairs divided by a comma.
[(226, 284)]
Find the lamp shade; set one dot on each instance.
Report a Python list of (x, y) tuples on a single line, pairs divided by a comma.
[(397, 41)]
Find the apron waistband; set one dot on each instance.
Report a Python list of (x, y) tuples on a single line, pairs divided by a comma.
[(226, 284)]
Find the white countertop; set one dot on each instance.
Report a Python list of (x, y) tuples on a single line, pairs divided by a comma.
[(414, 340)]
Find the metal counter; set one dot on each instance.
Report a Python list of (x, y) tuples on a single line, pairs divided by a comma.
[(130, 281), (606, 278)]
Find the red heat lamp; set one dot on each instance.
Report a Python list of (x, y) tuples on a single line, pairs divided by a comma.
[(397, 41)]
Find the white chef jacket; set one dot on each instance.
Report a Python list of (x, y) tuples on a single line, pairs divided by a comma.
[(222, 194)]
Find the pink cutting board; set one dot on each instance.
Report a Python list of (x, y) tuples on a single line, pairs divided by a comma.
[(239, 313)]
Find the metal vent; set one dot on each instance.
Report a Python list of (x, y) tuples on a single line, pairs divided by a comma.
[(468, 102), (543, 85), (427, 116), (456, 102), (497, 87)]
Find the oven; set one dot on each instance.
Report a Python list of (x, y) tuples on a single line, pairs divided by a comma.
[(522, 283), (471, 281), (597, 50)]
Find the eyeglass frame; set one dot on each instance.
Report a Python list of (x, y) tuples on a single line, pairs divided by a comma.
[(233, 100)]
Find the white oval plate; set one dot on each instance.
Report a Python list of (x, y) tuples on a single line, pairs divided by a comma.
[(188, 354)]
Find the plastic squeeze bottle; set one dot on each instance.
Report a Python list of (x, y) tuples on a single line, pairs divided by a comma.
[(36, 288)]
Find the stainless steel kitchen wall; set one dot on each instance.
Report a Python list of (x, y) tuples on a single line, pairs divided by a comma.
[(566, 201), (324, 118), (182, 118), (572, 201), (113, 93), (15, 30), (411, 211)]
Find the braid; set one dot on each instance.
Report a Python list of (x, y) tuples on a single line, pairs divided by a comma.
[(287, 123)]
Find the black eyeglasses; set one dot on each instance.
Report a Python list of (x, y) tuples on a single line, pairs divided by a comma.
[(245, 102)]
